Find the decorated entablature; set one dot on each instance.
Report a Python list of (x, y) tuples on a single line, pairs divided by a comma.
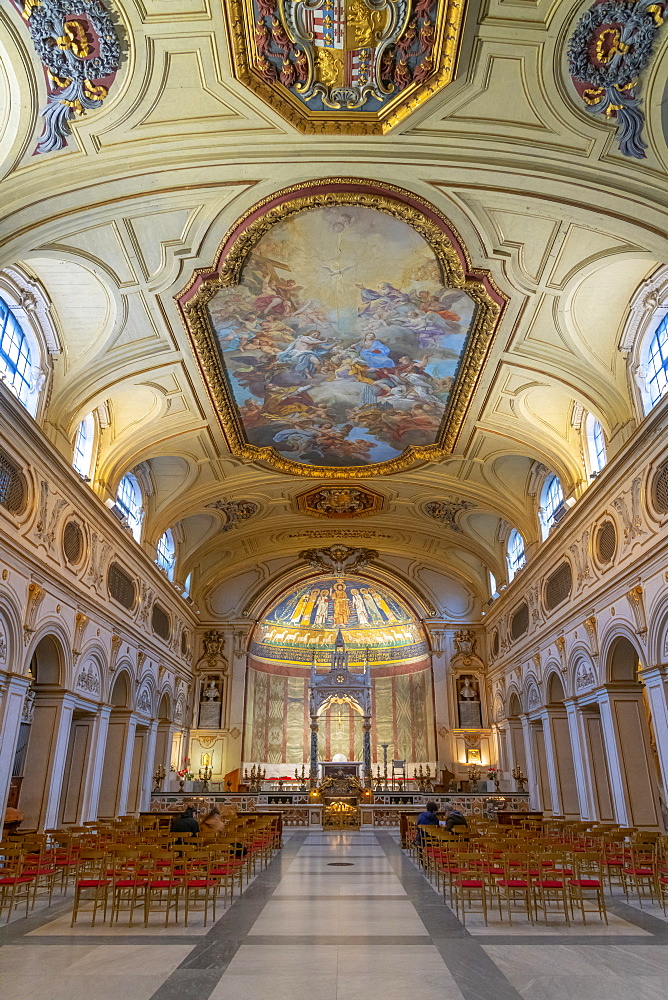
[(341, 333), (355, 67)]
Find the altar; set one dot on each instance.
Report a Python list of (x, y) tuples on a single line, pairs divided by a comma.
[(349, 768)]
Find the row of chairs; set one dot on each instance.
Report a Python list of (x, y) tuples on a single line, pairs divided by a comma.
[(540, 869), (127, 866)]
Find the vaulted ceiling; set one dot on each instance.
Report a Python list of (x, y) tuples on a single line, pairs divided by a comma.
[(115, 224)]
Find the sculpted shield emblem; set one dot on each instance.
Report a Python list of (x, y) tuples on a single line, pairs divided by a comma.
[(345, 65)]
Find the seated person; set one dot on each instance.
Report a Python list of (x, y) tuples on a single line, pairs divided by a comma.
[(454, 818), (185, 823), (216, 822), (427, 818)]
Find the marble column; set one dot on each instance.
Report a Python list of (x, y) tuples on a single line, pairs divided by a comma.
[(366, 729), (535, 797), (149, 765), (559, 760), (91, 796), (314, 751), (582, 764)]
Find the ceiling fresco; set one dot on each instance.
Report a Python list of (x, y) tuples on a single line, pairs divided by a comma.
[(344, 340), (309, 617), (345, 66)]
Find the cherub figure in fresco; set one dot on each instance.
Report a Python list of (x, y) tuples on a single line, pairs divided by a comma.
[(432, 303)]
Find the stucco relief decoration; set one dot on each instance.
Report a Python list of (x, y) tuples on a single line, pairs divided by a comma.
[(235, 511), (79, 46), (144, 701), (533, 697), (88, 680), (339, 502), (338, 558), (342, 330), (609, 49), (3, 644), (465, 644), (584, 677), (345, 66), (447, 511)]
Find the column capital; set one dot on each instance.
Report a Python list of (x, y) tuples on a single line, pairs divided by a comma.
[(654, 671)]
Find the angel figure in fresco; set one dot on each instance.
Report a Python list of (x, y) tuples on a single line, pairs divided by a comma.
[(322, 608), (373, 611), (341, 604), (359, 607)]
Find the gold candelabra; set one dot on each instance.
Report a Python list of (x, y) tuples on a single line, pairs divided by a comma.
[(474, 773), (422, 779), (205, 776), (255, 779), (519, 778), (159, 777)]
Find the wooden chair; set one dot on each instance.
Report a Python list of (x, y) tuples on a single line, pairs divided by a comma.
[(587, 885), (91, 883)]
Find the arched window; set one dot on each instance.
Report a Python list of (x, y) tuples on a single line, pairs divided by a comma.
[(657, 363), (551, 497), (129, 500), (598, 458), (15, 359), (493, 591), (187, 585), (166, 553), (82, 458), (516, 557)]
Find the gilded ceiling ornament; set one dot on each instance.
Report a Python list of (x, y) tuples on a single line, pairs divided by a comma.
[(235, 511), (611, 46), (79, 46), (345, 67), (447, 511), (342, 330), (339, 502)]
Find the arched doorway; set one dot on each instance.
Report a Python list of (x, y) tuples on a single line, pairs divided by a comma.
[(163, 740), (43, 736), (518, 757), (626, 723), (560, 764), (120, 737)]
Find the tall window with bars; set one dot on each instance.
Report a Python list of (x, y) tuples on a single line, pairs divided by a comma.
[(83, 446), (657, 363), (166, 553), (15, 360), (551, 496), (516, 556), (129, 499), (596, 440)]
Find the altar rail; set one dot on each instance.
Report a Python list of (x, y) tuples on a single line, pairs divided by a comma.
[(298, 810)]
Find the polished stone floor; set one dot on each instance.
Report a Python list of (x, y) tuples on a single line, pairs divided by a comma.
[(333, 917)]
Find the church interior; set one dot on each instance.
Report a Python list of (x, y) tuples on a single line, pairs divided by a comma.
[(333, 499)]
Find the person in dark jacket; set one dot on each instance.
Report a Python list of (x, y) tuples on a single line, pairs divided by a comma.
[(427, 818), (185, 823), (453, 818)]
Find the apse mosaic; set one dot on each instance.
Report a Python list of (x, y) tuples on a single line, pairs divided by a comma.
[(310, 616), (341, 342)]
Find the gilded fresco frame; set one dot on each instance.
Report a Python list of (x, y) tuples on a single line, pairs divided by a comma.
[(450, 24), (242, 238)]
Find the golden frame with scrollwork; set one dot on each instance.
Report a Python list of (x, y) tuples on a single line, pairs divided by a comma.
[(240, 31), (246, 233)]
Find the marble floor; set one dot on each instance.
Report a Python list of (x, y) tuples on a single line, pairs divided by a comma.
[(334, 916)]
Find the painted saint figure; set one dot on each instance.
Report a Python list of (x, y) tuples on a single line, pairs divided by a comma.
[(300, 607), (384, 606), (322, 608), (359, 607), (341, 604), (308, 607), (375, 616)]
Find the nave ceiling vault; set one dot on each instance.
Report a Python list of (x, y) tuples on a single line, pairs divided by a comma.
[(115, 224)]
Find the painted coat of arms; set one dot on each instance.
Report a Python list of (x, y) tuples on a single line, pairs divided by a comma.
[(352, 66)]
